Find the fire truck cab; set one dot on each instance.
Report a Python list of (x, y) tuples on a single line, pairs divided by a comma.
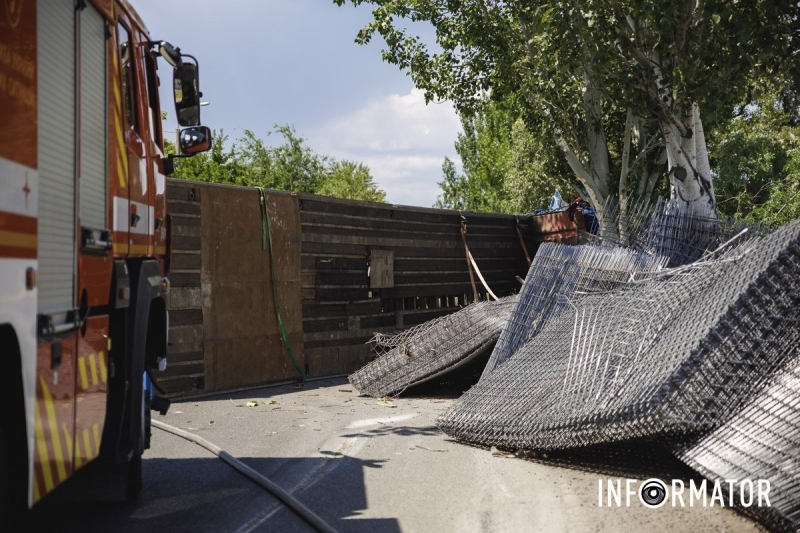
[(84, 239)]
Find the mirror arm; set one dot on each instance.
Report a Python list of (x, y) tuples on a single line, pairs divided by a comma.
[(169, 162)]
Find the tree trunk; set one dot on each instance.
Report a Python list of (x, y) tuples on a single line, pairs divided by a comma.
[(689, 169)]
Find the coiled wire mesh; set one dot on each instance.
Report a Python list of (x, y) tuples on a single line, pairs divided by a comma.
[(703, 359), (669, 356), (558, 270), (761, 442), (432, 349), (664, 229)]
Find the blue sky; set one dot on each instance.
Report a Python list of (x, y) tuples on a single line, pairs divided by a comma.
[(294, 62)]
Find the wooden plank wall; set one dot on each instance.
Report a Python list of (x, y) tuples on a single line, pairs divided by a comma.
[(185, 373), (346, 270), (224, 330), (342, 309)]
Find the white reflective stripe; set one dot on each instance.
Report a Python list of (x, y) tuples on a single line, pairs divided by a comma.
[(19, 189), (122, 217), (142, 224), (122, 220)]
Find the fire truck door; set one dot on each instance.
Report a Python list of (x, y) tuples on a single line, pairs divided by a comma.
[(132, 214)]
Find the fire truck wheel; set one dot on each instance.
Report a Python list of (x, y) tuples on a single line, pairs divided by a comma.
[(12, 492), (133, 474), (133, 479)]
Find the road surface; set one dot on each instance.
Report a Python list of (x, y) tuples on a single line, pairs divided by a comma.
[(361, 464)]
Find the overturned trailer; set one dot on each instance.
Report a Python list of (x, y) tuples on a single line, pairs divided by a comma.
[(298, 288)]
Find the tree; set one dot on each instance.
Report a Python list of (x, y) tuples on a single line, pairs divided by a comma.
[(757, 163), (290, 166), (506, 168), (484, 148), (535, 171), (346, 179), (619, 84), (218, 165)]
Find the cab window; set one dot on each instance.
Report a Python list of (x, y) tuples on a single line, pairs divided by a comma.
[(128, 77), (152, 93)]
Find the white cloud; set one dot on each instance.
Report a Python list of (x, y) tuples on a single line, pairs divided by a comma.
[(402, 140)]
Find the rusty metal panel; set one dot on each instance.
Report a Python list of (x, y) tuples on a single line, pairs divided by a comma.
[(558, 227), (242, 340), (381, 269)]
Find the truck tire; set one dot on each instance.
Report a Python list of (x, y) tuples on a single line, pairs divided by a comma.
[(13, 498), (13, 445), (133, 470), (133, 479)]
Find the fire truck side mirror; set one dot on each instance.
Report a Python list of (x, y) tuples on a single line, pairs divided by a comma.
[(187, 93), (195, 140)]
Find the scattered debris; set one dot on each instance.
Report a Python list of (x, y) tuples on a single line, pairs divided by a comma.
[(496, 452), (430, 449)]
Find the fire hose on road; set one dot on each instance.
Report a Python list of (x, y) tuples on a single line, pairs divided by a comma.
[(284, 497)]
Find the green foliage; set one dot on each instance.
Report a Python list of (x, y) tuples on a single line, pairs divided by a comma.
[(346, 179), (290, 166), (757, 165), (536, 169), (576, 68), (506, 168)]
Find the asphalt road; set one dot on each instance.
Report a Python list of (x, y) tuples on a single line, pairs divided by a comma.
[(361, 464)]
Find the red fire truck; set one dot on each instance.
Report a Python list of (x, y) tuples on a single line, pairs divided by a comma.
[(84, 239)]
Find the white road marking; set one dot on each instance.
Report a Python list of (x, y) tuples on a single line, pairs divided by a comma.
[(375, 421)]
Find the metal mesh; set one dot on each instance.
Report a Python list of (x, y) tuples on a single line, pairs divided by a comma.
[(557, 271), (666, 229), (760, 442), (433, 349), (673, 355)]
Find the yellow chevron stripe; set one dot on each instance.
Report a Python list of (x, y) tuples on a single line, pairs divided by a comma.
[(37, 494), (103, 371), (82, 372), (122, 163), (53, 426), (93, 367), (122, 155), (87, 445), (96, 432), (117, 95), (68, 438), (41, 448)]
